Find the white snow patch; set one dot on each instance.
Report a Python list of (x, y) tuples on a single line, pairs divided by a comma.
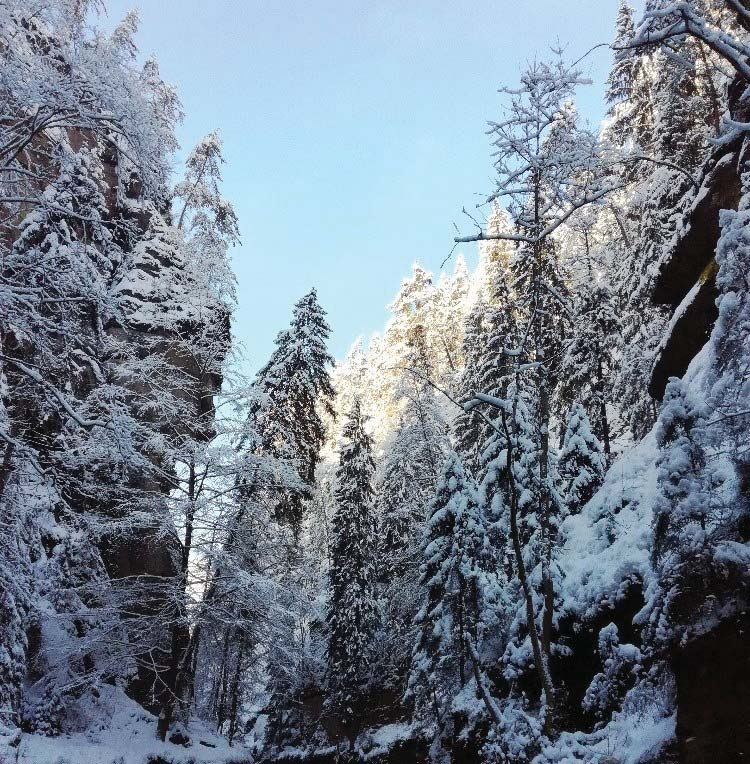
[(609, 543), (129, 737)]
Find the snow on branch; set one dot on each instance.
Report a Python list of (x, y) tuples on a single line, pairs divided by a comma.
[(678, 19)]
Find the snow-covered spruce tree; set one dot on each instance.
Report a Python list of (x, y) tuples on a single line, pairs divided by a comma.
[(491, 336), (350, 378), (531, 509), (701, 509), (623, 114), (588, 364), (352, 609), (620, 668), (406, 482), (293, 383), (287, 426), (496, 362), (496, 369), (250, 614), (412, 464), (581, 462), (452, 293), (682, 506), (408, 476), (457, 617), (467, 427), (411, 309)]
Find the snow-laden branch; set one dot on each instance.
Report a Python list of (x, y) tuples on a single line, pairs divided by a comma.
[(50, 389), (685, 21), (489, 701)]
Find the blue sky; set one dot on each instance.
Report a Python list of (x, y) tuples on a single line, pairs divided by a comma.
[(354, 131)]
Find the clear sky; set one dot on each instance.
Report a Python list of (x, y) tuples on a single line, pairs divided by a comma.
[(354, 131)]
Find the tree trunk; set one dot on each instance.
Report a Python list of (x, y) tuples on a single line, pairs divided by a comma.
[(603, 420), (174, 681), (236, 690), (540, 661), (223, 684)]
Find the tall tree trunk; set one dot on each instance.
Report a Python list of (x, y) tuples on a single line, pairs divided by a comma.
[(540, 660), (174, 682), (236, 690), (6, 469), (223, 684), (603, 420)]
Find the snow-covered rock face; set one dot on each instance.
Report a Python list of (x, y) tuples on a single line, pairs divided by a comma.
[(106, 312)]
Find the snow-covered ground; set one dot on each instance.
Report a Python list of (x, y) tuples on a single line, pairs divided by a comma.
[(128, 737)]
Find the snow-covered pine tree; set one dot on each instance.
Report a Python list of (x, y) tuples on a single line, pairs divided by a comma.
[(620, 666), (467, 427), (293, 384), (497, 367), (490, 332), (408, 476), (456, 616), (682, 507), (634, 112), (683, 112), (621, 82), (352, 609), (581, 462), (406, 482), (682, 107), (701, 508), (588, 363), (530, 509), (411, 309), (452, 293)]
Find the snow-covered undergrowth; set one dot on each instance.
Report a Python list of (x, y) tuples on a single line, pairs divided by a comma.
[(628, 739), (117, 730), (607, 546)]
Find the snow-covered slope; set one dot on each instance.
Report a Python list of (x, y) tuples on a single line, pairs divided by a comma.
[(117, 731)]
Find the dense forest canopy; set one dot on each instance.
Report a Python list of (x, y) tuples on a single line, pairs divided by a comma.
[(514, 526)]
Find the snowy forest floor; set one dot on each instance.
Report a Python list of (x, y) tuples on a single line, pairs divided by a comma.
[(128, 737)]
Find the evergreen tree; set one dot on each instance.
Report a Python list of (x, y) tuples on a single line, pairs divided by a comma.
[(490, 337), (452, 292), (680, 501), (458, 562), (622, 74), (682, 112), (407, 479), (581, 463), (548, 168), (623, 94), (588, 364), (293, 384), (680, 109), (620, 666), (685, 511), (408, 476), (407, 335), (467, 426), (352, 612)]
